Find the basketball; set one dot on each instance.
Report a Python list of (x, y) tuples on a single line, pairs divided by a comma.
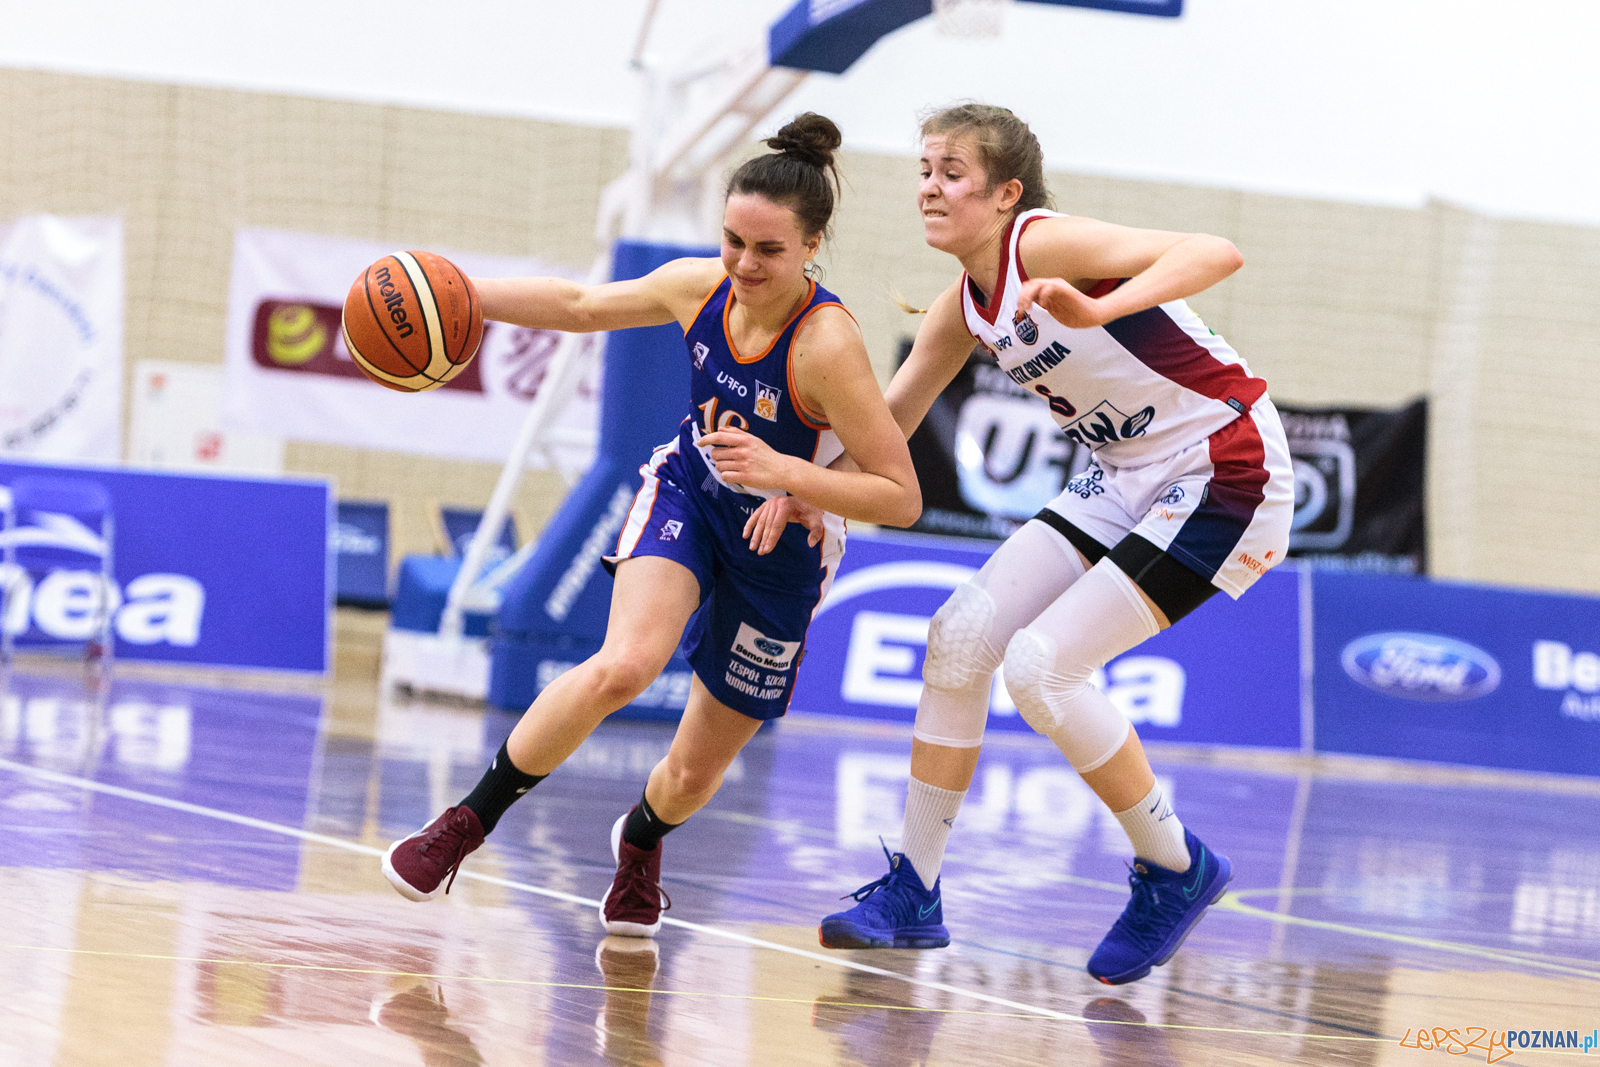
[(412, 321)]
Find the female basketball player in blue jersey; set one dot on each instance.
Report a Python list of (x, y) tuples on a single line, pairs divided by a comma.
[(781, 386), (1190, 490)]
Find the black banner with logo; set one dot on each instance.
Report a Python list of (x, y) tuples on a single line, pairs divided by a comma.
[(989, 456), (1359, 502)]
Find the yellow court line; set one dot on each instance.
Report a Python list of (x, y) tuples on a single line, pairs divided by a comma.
[(808, 1001), (1232, 902)]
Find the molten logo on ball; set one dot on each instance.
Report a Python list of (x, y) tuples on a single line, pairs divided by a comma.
[(393, 301)]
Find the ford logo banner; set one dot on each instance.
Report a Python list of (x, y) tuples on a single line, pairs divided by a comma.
[(1418, 666)]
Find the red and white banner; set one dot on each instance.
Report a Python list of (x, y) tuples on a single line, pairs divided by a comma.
[(290, 376), (61, 338)]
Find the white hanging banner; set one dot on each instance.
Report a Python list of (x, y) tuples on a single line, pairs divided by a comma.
[(289, 374), (61, 338)]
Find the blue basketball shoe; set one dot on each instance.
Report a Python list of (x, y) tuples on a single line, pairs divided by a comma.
[(1164, 908), (894, 912)]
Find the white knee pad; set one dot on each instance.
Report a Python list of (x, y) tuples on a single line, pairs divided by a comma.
[(958, 649), (1029, 658), (959, 670), (1057, 700)]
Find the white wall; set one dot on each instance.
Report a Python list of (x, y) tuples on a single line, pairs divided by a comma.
[(1490, 104)]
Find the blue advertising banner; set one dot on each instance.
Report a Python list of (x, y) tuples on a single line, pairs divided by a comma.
[(1457, 673), (220, 571), (359, 542), (1229, 674), (459, 525)]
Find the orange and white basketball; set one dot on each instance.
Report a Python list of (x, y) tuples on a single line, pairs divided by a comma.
[(412, 321)]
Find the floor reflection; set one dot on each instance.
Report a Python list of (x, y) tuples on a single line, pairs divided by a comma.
[(417, 1011), (1122, 1036), (877, 1023), (622, 1029), (169, 900)]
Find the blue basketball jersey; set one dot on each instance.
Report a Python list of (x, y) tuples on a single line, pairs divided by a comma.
[(751, 392), (746, 640)]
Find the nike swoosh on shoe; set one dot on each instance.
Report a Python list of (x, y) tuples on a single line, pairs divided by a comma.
[(1190, 891)]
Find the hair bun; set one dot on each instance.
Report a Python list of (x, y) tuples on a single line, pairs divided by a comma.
[(810, 138)]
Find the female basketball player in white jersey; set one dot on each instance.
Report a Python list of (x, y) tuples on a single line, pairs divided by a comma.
[(1189, 491), (780, 387)]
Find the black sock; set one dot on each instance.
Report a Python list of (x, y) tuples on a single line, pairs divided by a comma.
[(500, 787), (644, 828)]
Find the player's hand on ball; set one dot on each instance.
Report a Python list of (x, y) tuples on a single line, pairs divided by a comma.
[(1066, 305), (747, 460), (767, 523)]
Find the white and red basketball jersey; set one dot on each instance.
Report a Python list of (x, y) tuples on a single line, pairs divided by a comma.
[(1132, 391)]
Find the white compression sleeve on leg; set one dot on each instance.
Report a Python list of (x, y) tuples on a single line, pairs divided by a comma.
[(967, 637), (1050, 661)]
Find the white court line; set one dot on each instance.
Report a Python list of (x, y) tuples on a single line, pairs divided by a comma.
[(554, 894)]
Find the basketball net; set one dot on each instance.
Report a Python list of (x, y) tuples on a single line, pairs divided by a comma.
[(970, 18)]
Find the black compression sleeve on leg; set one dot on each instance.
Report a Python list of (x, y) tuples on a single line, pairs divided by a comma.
[(499, 788), (1175, 588), (1092, 550), (644, 828)]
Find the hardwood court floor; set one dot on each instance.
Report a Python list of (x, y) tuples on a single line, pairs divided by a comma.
[(191, 877)]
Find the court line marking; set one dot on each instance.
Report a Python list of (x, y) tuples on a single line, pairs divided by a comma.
[(388, 973), (531, 983), (553, 894), (1018, 1008), (1232, 902)]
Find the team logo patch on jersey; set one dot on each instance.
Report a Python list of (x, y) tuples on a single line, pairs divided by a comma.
[(670, 530), (767, 401), (700, 354), (1027, 332), (764, 651)]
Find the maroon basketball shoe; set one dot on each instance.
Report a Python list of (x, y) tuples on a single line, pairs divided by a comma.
[(633, 905), (416, 865)]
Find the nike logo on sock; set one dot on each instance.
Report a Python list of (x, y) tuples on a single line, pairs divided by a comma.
[(523, 790), (951, 821)]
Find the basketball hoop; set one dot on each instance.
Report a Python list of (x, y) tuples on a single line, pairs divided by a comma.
[(970, 18)]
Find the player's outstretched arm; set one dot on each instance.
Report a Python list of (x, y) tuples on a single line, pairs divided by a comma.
[(670, 293), (1159, 265), (937, 355), (834, 380)]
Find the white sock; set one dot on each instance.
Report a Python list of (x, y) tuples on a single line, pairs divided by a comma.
[(930, 812), (1155, 831)]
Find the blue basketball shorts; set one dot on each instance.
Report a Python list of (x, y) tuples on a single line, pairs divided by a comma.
[(746, 639)]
